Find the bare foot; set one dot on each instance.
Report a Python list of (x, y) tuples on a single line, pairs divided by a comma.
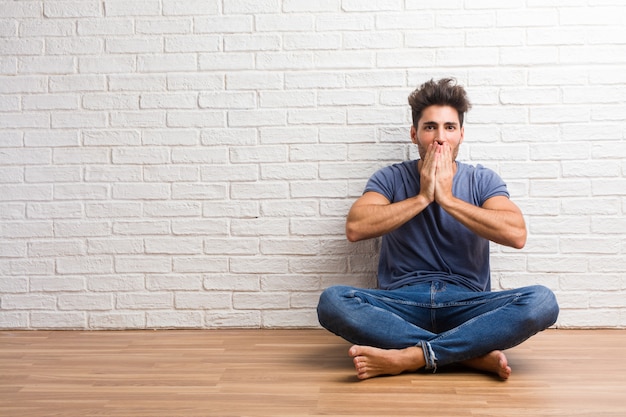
[(370, 361), (494, 362)]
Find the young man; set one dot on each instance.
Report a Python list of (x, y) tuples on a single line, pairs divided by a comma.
[(436, 216)]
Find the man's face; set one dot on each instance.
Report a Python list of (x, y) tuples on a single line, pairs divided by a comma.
[(438, 124)]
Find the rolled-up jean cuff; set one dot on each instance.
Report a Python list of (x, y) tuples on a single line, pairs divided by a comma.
[(429, 356)]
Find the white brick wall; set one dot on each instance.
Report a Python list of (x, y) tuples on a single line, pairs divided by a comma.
[(189, 164)]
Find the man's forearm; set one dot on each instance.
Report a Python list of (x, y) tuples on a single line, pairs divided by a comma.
[(499, 220), (370, 219)]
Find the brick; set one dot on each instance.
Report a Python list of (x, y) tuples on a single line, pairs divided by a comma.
[(58, 320), (72, 265), (116, 321), (178, 319), (193, 7)]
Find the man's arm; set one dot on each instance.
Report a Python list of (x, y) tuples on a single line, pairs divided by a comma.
[(498, 220), (372, 215)]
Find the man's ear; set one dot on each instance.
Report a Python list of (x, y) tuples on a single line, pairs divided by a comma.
[(462, 134), (413, 134)]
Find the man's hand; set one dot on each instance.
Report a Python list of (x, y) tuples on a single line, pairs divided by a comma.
[(436, 173), (428, 172), (444, 174)]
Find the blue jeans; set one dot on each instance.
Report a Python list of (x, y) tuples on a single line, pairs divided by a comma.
[(449, 322)]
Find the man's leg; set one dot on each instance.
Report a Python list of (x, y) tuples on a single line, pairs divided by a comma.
[(476, 326), (473, 325), (381, 324), (385, 319)]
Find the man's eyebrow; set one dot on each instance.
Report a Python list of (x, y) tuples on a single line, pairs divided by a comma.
[(445, 123)]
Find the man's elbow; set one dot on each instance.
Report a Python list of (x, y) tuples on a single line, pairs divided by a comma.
[(518, 240), (351, 234)]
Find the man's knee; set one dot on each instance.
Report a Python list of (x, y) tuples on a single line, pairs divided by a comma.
[(328, 306), (545, 308)]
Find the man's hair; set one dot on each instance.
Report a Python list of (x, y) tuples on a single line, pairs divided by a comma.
[(444, 92)]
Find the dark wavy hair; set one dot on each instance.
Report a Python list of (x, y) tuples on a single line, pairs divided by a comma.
[(445, 92)]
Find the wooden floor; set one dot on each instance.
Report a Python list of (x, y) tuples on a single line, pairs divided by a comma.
[(230, 373)]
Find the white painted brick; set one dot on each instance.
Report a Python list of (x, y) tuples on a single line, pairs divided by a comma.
[(198, 191), (116, 283), (178, 282), (292, 6), (231, 209), (93, 27), (225, 24), (289, 172), (116, 321), (24, 84), (172, 209), (20, 9), (145, 264), (58, 320), (251, 6), (80, 192), (192, 118), (225, 173), (52, 174), (192, 7), (289, 208), (25, 192), (559, 225), (227, 100), (259, 227), (136, 8), (226, 61), (21, 46), (173, 245), (69, 210), (262, 301), (72, 156), (235, 319), (192, 43), (172, 137), (167, 63), (11, 175), (46, 65), (74, 46), (315, 41), (288, 318), (245, 42), (25, 120), (343, 59), (378, 40), (177, 320), (259, 190), (195, 227), (314, 80), (109, 173), (238, 282), (38, 229), (137, 301), (287, 23), (139, 82), (72, 265), (290, 283), (13, 285), (590, 206), (114, 246), (141, 227), (85, 302), (203, 301), (285, 135), (12, 211), (202, 264)]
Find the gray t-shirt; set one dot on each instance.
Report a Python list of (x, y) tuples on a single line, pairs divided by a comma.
[(433, 245)]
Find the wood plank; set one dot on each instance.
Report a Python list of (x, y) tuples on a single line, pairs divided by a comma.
[(228, 373)]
